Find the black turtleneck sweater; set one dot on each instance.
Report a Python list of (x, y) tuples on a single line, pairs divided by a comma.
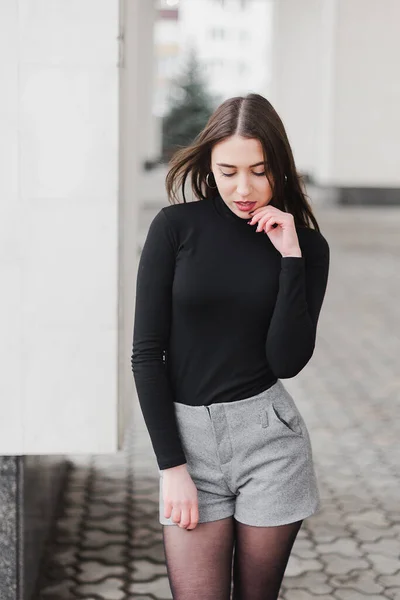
[(220, 314)]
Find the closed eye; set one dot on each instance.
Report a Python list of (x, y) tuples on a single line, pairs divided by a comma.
[(232, 174)]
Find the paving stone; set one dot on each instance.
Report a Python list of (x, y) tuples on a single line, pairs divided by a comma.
[(354, 595), (115, 524), (388, 547), (159, 588), (103, 512), (390, 580), (368, 534), (94, 538), (75, 496), (355, 503), (145, 508), (360, 581), (74, 510), (394, 517), (112, 474), (141, 597), (342, 546), (370, 517), (337, 565), (297, 594), (152, 496), (58, 591), (111, 555), (67, 537), (303, 553), (303, 533), (116, 497), (92, 571), (315, 582), (153, 552), (69, 523), (109, 589), (56, 573), (327, 533), (385, 565), (304, 548), (141, 531), (143, 570), (78, 475), (145, 484), (109, 495), (296, 566), (65, 556)]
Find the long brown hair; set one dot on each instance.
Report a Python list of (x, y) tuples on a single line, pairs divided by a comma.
[(250, 116)]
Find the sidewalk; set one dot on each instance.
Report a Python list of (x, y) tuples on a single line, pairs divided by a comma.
[(108, 544)]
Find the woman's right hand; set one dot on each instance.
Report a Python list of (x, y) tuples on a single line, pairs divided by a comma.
[(180, 497)]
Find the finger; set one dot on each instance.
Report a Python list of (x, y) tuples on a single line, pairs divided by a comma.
[(262, 211), (194, 516), (270, 224), (167, 509), (185, 518), (255, 218), (176, 515), (280, 218), (263, 220)]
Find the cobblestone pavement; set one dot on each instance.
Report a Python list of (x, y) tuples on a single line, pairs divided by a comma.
[(107, 543)]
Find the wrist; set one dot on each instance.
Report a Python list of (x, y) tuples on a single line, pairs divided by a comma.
[(294, 254), (176, 469)]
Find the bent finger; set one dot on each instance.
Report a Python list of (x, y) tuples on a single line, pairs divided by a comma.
[(194, 516), (176, 515), (185, 518)]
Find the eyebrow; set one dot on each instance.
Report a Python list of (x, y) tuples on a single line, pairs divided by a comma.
[(234, 166)]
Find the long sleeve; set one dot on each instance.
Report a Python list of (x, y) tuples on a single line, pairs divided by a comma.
[(150, 340), (292, 332)]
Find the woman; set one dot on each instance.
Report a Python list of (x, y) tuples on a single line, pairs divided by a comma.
[(229, 292)]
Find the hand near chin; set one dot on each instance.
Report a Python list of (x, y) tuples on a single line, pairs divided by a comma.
[(280, 228)]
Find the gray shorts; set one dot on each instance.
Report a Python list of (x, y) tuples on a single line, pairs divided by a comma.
[(251, 459)]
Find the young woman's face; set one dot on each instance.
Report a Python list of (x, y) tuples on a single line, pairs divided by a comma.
[(238, 167)]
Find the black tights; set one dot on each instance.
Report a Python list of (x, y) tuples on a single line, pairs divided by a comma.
[(199, 561)]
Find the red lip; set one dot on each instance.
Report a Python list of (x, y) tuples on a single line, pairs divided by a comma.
[(245, 206)]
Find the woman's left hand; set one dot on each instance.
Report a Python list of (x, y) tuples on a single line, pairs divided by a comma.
[(284, 235)]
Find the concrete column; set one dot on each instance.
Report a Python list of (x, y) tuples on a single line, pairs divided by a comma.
[(335, 85), (136, 145), (58, 226), (58, 260)]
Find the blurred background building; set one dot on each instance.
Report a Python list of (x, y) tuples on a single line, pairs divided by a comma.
[(232, 40)]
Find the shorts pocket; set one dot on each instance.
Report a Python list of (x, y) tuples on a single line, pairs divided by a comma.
[(288, 419)]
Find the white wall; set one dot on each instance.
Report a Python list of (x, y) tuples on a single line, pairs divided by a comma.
[(58, 226), (367, 99), (295, 86), (336, 87)]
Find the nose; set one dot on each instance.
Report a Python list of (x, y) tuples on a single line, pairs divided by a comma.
[(243, 186)]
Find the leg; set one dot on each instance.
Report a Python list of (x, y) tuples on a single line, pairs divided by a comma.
[(260, 560), (199, 561)]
